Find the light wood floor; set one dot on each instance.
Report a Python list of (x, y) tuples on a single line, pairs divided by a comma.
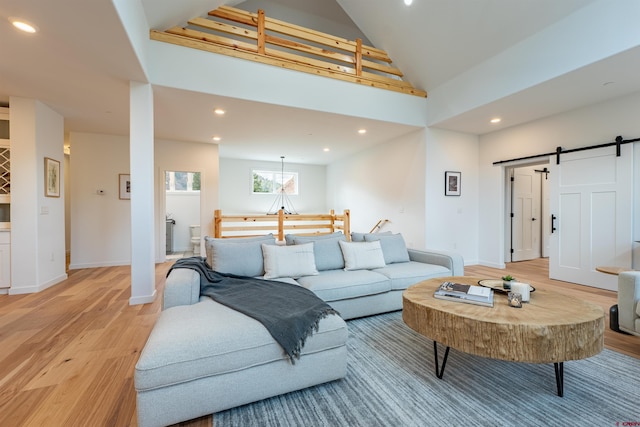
[(67, 354)]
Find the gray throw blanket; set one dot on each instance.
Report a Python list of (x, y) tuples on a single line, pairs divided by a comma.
[(290, 313)]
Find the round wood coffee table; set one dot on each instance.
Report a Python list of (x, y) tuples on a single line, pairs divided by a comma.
[(551, 328)]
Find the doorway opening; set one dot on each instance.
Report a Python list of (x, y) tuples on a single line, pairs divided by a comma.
[(182, 214), (527, 223)]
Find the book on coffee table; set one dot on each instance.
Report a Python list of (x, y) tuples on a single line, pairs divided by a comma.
[(470, 294)]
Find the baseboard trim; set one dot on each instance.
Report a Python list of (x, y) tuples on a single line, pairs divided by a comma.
[(98, 264), (33, 289), (144, 299), (501, 266)]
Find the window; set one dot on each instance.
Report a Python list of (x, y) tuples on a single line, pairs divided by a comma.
[(182, 181), (270, 182)]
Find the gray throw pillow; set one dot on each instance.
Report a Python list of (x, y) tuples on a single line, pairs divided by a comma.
[(326, 248), (241, 255), (359, 237), (394, 248)]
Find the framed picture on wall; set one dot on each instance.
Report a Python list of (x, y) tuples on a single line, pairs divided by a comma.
[(452, 183), (51, 177), (124, 182)]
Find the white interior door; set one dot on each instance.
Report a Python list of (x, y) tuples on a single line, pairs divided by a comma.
[(591, 199), (546, 213), (525, 219)]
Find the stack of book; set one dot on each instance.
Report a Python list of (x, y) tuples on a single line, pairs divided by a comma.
[(470, 294)]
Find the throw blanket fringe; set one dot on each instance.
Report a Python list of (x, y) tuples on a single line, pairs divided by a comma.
[(290, 313)]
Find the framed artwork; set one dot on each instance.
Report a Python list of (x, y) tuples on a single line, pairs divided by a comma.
[(124, 182), (51, 177), (452, 183)]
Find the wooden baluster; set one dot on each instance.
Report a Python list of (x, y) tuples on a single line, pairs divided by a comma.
[(281, 225), (261, 32), (358, 57), (217, 223), (346, 227)]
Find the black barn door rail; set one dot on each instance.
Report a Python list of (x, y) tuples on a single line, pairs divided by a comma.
[(618, 142)]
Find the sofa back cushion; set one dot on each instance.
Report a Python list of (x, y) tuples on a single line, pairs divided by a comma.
[(360, 237), (326, 249), (393, 247), (362, 255), (239, 255), (289, 261)]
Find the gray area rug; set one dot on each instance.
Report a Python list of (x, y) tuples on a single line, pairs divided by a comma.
[(391, 382)]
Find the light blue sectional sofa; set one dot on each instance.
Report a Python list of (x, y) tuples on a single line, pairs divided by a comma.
[(203, 357)]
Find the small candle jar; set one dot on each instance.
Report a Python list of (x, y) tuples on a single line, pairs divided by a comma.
[(515, 299), (523, 289)]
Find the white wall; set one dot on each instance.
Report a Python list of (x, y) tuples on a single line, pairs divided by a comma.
[(184, 208), (451, 222), (236, 187), (591, 125), (37, 222), (100, 224), (384, 182)]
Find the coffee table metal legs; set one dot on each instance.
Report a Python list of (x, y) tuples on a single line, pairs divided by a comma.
[(558, 367), (440, 372)]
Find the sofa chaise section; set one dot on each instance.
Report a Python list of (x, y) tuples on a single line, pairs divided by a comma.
[(203, 357)]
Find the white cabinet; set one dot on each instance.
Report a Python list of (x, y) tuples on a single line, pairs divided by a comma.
[(5, 259)]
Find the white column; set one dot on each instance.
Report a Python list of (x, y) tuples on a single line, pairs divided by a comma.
[(143, 289)]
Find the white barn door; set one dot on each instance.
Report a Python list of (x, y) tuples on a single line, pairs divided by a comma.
[(525, 220), (591, 200)]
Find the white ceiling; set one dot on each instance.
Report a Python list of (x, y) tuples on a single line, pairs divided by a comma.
[(80, 63)]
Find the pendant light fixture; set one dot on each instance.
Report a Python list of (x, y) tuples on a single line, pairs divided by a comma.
[(282, 199)]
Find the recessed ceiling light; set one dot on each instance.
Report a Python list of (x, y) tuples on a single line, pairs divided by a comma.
[(219, 111), (326, 149), (408, 2), (23, 25), (362, 131), (216, 138), (496, 120)]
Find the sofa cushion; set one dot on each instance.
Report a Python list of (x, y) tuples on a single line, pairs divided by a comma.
[(404, 274), (362, 255), (219, 340), (393, 247), (359, 237), (289, 238), (334, 285), (289, 261), (326, 249), (241, 255)]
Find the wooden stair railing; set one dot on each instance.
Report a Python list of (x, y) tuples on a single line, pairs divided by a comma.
[(280, 43), (379, 225), (280, 224)]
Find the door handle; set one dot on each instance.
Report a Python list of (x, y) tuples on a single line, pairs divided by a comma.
[(533, 219), (553, 223)]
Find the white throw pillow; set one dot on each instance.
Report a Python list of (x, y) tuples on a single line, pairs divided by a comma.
[(289, 261), (362, 255)]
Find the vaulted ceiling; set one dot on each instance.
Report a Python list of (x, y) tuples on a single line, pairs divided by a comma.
[(81, 60)]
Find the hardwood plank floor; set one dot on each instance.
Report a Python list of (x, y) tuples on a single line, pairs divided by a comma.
[(67, 354)]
